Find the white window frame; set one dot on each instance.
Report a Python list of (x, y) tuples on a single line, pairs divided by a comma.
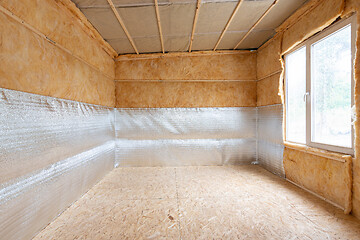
[(308, 96)]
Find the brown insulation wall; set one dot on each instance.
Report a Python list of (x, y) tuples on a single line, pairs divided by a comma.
[(59, 24), (314, 21), (240, 66), (187, 81), (268, 58), (268, 91), (324, 176), (268, 72), (185, 94), (32, 64)]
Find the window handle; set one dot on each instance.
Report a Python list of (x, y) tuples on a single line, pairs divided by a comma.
[(306, 95)]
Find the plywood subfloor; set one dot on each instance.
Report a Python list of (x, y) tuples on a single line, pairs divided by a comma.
[(242, 202)]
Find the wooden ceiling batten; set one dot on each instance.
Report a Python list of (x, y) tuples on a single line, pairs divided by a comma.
[(228, 24), (117, 15), (194, 23), (256, 23), (159, 25)]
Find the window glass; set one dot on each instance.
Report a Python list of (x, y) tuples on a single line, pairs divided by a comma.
[(296, 88), (331, 89)]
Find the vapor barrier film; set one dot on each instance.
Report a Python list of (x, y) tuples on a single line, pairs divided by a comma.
[(51, 152), (270, 138), (185, 136)]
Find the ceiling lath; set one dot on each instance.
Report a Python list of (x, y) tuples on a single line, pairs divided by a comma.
[(117, 15), (256, 23), (228, 24), (194, 23), (159, 25)]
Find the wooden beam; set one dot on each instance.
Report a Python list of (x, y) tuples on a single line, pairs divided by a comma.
[(159, 25), (127, 57), (122, 25), (194, 23), (228, 24), (257, 22)]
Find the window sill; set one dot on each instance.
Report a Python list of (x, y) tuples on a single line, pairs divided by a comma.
[(341, 157)]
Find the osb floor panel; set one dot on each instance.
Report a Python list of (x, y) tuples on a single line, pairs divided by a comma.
[(238, 202)]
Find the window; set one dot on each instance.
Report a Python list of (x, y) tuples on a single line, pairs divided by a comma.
[(319, 89)]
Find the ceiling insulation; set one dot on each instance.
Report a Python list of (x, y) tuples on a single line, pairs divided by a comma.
[(213, 17), (177, 20)]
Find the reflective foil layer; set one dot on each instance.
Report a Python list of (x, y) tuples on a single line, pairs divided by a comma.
[(51, 152), (270, 138), (185, 136)]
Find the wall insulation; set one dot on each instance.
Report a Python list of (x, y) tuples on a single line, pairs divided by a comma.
[(52, 151), (185, 136), (171, 111), (186, 110), (223, 80), (62, 22), (185, 94), (235, 66), (44, 55), (322, 175)]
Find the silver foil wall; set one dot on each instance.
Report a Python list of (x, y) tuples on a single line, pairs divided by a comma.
[(185, 136), (270, 138), (51, 152)]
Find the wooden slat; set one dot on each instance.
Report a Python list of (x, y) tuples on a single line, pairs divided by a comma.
[(194, 23), (257, 22), (159, 25), (127, 57), (122, 25), (228, 24)]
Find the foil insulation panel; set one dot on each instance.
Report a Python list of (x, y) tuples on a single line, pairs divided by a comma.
[(185, 136), (270, 138), (51, 152)]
